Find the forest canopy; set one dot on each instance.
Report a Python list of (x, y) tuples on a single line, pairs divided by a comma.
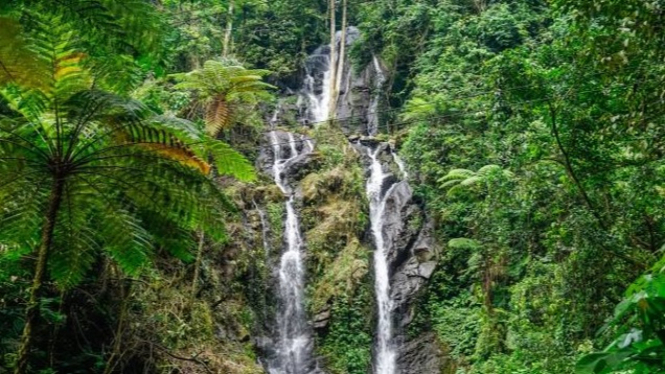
[(141, 227)]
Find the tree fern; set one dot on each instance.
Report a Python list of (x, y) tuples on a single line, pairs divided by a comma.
[(224, 89), (87, 173), (459, 179)]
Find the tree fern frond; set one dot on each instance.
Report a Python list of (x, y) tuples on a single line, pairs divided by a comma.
[(457, 174), (19, 64), (224, 88), (489, 169), (471, 181), (126, 241), (218, 115), (228, 161)]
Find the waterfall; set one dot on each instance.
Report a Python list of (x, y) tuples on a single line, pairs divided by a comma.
[(293, 346), (294, 340), (373, 113), (318, 77), (401, 165), (316, 87), (384, 350)]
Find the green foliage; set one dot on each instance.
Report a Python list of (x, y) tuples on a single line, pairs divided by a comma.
[(533, 141), (638, 324), (226, 91), (347, 345), (90, 177)]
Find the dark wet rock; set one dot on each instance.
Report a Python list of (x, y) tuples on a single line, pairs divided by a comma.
[(369, 141), (408, 233), (321, 319), (421, 355), (287, 142)]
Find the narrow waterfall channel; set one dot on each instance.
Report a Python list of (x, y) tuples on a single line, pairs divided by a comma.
[(384, 351), (294, 342), (316, 87), (294, 345)]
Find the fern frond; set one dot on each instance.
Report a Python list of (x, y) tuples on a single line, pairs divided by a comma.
[(228, 161), (224, 88), (19, 63), (464, 243), (218, 115), (457, 174), (489, 169), (471, 181)]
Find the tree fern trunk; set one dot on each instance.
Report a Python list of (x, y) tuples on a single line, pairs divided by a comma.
[(32, 311), (116, 354)]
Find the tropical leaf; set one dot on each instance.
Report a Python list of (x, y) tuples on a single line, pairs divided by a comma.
[(464, 243), (225, 89), (228, 161), (19, 63)]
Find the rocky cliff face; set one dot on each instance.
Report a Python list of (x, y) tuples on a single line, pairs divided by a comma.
[(330, 198)]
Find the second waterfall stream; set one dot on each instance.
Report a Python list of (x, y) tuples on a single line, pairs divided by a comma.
[(384, 351)]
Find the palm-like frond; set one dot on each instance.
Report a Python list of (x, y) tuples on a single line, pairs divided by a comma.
[(127, 173), (224, 88), (458, 179), (228, 161), (19, 64)]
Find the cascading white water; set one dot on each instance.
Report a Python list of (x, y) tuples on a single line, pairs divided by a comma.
[(401, 165), (318, 78), (373, 114), (293, 347), (385, 356), (318, 92)]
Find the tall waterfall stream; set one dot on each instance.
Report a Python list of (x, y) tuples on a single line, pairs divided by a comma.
[(384, 352), (294, 341)]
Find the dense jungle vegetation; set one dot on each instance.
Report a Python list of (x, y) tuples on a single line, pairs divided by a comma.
[(533, 131)]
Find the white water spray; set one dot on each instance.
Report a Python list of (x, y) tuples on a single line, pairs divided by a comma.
[(401, 165), (385, 356), (373, 114), (294, 339), (318, 92)]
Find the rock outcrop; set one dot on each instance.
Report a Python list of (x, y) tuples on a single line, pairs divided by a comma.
[(406, 230), (408, 234)]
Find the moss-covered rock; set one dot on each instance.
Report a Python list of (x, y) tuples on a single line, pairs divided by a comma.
[(342, 276)]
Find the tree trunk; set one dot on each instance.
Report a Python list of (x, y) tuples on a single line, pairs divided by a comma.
[(332, 64), (340, 58), (32, 311), (229, 28)]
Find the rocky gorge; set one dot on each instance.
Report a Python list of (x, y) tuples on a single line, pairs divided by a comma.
[(327, 176)]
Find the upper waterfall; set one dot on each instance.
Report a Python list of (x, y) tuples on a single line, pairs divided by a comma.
[(317, 87)]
